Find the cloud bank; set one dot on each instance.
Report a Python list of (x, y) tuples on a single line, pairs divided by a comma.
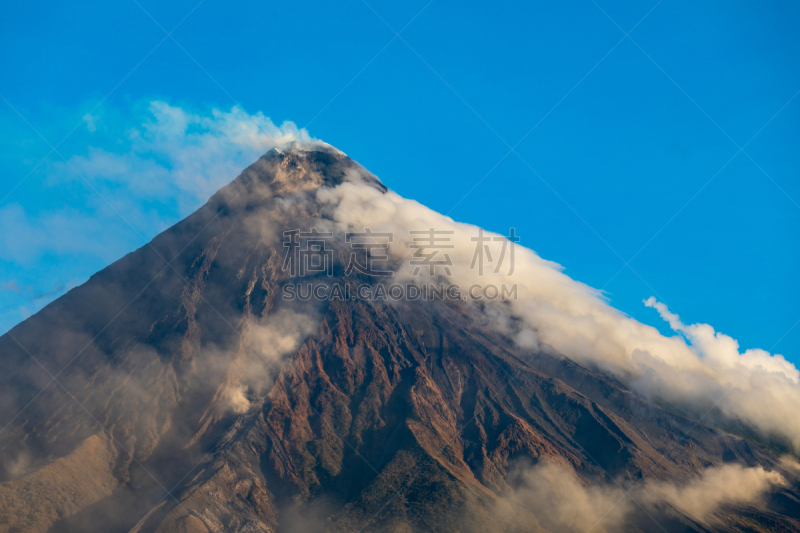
[(561, 501), (699, 370)]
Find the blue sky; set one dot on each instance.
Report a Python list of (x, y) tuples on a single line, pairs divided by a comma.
[(625, 148)]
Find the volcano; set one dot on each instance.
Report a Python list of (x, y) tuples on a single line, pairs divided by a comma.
[(251, 370)]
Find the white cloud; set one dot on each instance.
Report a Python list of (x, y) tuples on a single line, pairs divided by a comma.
[(757, 388), (183, 156), (714, 487), (91, 122), (148, 177), (562, 501), (235, 399), (266, 342)]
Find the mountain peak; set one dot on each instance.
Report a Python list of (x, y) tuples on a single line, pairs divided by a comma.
[(185, 365), (304, 147), (302, 166)]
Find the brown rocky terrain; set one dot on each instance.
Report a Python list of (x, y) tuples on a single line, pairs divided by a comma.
[(177, 391)]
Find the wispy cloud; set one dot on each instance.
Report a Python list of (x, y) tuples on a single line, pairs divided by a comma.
[(148, 176), (142, 172), (11, 286), (563, 501), (178, 155)]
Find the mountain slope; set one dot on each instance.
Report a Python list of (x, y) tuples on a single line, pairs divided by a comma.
[(197, 398)]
